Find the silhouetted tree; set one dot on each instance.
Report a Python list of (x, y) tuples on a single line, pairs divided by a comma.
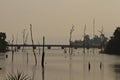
[(113, 46), (3, 43)]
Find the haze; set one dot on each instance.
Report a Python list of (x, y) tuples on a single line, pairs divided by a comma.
[(54, 18)]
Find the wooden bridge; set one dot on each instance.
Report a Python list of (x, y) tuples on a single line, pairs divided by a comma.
[(49, 46)]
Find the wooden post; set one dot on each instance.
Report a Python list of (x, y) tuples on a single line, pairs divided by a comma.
[(12, 54), (27, 57), (12, 49), (89, 67), (43, 53), (100, 65)]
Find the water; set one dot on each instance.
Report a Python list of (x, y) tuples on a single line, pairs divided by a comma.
[(62, 66)]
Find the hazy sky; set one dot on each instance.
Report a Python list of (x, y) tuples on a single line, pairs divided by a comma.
[(54, 18)]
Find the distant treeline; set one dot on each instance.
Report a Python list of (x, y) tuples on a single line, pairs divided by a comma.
[(113, 45), (3, 43)]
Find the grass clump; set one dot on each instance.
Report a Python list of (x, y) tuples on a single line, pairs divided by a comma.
[(18, 76)]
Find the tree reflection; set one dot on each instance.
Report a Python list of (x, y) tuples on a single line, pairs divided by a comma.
[(2, 66), (70, 67), (116, 68), (43, 76), (34, 72)]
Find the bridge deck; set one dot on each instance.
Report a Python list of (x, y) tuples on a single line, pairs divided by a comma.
[(36, 45)]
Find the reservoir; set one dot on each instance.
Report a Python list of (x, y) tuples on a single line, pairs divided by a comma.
[(60, 65)]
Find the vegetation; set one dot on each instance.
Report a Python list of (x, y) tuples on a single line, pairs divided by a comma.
[(3, 43), (113, 46), (18, 76)]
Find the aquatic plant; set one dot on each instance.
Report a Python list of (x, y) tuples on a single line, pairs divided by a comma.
[(18, 76)]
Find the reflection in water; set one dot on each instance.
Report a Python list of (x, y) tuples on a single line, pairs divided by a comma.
[(34, 72), (70, 67), (102, 70), (27, 57), (89, 66), (79, 66), (12, 68), (84, 66), (2, 66), (101, 64), (116, 68), (43, 73), (93, 66)]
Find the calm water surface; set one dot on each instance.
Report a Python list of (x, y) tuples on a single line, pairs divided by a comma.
[(62, 66)]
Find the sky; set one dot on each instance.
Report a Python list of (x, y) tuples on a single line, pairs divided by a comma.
[(54, 18)]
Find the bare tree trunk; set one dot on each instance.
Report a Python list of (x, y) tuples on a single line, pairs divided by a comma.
[(23, 39), (33, 44), (70, 47), (16, 49), (26, 38)]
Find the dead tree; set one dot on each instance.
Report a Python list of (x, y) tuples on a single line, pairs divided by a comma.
[(71, 31), (33, 44)]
